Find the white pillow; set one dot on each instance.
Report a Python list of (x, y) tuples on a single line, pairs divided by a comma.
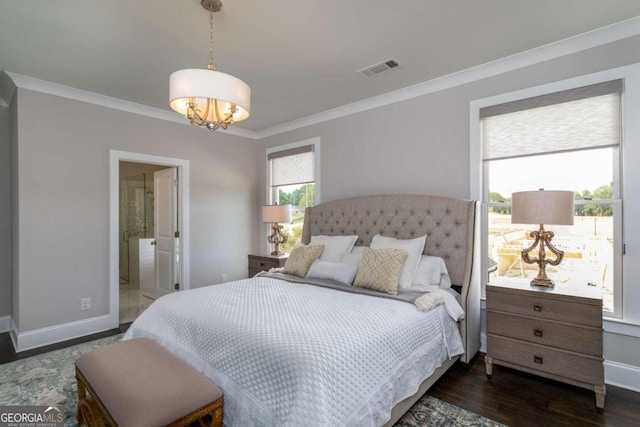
[(355, 256), (413, 247), (338, 271), (335, 247), (432, 271)]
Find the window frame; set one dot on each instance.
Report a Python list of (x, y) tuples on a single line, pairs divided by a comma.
[(626, 295), (316, 165)]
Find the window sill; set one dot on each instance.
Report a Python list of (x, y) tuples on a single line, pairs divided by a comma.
[(620, 327)]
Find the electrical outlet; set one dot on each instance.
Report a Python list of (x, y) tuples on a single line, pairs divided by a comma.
[(85, 304), (224, 278)]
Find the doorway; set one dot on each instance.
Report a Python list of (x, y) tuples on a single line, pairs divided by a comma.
[(137, 275), (146, 192)]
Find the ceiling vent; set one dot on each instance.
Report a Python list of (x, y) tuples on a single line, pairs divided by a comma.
[(380, 67)]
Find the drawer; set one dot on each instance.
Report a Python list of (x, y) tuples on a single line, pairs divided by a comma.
[(577, 367), (535, 305), (564, 336), (263, 263)]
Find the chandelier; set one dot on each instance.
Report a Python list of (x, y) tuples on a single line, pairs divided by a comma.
[(208, 97)]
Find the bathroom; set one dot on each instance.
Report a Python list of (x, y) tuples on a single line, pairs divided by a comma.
[(137, 255)]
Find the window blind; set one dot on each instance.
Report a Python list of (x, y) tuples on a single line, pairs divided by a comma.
[(292, 167), (585, 117)]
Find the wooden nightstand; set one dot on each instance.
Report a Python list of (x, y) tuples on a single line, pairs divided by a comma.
[(264, 262), (552, 332)]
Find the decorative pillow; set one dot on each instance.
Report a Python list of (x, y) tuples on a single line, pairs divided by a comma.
[(355, 256), (335, 247), (380, 269), (301, 258), (432, 271), (338, 271), (413, 247)]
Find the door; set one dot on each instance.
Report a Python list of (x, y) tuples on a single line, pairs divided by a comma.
[(166, 229)]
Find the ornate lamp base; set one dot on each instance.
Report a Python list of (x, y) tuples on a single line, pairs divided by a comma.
[(543, 282), (543, 238), (276, 238)]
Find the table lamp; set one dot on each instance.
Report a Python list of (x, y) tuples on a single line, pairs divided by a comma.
[(276, 214), (542, 207)]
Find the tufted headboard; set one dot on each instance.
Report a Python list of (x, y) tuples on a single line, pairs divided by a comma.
[(449, 224)]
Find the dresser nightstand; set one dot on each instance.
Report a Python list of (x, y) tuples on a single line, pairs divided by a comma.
[(264, 262), (552, 332)]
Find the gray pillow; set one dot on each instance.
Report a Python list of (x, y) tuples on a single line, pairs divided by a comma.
[(338, 271)]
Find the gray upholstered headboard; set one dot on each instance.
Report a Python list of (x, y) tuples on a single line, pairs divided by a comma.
[(449, 224)]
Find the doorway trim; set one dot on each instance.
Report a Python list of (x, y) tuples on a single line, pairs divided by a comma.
[(115, 157)]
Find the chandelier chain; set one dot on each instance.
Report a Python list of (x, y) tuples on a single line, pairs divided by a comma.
[(211, 65)]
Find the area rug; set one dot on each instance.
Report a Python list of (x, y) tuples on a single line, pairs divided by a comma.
[(49, 379)]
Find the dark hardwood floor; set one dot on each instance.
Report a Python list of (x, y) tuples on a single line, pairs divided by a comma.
[(519, 399), (7, 353), (510, 397)]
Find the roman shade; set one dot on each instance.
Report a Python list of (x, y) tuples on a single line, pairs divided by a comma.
[(584, 117), (292, 167)]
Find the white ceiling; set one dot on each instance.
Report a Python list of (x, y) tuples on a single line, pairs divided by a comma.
[(299, 57)]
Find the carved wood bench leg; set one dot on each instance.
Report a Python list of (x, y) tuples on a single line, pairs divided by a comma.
[(216, 415), (82, 393), (88, 413)]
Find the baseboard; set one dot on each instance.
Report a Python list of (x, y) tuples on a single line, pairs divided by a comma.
[(53, 334), (622, 375), (483, 342), (5, 323), (13, 334)]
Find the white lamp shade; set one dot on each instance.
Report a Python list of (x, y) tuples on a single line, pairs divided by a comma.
[(542, 207), (276, 213), (202, 84)]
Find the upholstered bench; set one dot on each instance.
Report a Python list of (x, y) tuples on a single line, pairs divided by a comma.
[(137, 383)]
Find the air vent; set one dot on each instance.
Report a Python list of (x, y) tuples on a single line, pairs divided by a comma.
[(380, 67)]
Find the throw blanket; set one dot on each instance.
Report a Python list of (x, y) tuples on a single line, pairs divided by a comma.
[(288, 354), (436, 296)]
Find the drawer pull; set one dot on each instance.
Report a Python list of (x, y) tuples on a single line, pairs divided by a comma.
[(262, 264), (538, 359), (537, 332), (537, 307)]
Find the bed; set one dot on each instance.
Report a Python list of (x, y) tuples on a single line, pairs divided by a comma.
[(286, 352)]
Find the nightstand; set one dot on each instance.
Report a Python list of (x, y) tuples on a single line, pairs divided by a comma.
[(264, 262), (552, 332)]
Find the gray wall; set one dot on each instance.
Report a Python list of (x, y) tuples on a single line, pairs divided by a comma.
[(63, 201), (15, 220), (5, 211), (422, 145)]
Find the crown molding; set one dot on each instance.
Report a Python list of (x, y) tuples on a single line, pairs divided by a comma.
[(43, 86), (578, 43)]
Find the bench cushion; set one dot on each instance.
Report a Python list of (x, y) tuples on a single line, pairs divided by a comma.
[(142, 384)]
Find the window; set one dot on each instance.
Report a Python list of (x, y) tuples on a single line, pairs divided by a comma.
[(292, 172), (567, 140)]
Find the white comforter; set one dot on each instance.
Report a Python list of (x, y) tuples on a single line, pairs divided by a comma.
[(289, 354)]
